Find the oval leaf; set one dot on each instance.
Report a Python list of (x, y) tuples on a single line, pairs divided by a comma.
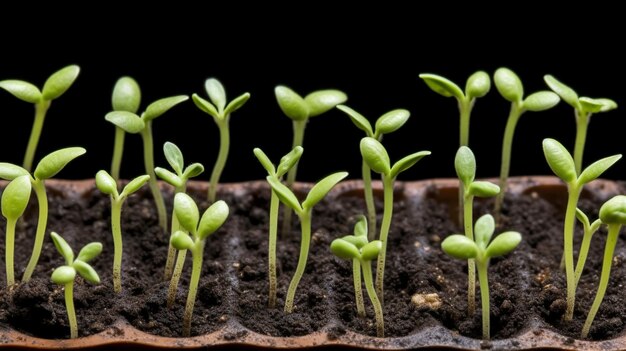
[(607, 104), (483, 230), (54, 162), (174, 157), (590, 105), (236, 104), (105, 183), (89, 252), (360, 228), (22, 90), (478, 85), (614, 210), (63, 275), (541, 101), (15, 197), (559, 160), (181, 240), (63, 247), (391, 121), (596, 169), (59, 82), (86, 271), (265, 161), (483, 189), (9, 171), (135, 185), (128, 121), (582, 218), (370, 251), (212, 219), (288, 161), (319, 190), (359, 121), (344, 249), (503, 244), (375, 155), (324, 100), (126, 95), (285, 195), (205, 106), (509, 85), (216, 93), (187, 212), (161, 106), (442, 86), (358, 241), (566, 93), (465, 165), (193, 170), (169, 177), (292, 104), (459, 246), (407, 162)]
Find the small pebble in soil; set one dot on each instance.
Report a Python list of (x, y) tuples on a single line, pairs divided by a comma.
[(426, 301)]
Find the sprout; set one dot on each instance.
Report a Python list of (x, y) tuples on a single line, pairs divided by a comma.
[(511, 88), (47, 168), (304, 211), (562, 164), (584, 107), (66, 274), (588, 230), (385, 124), (188, 216), (481, 250), (220, 111), (356, 248), (107, 185), (286, 163), (14, 201), (465, 166), (55, 86), (126, 97), (376, 157)]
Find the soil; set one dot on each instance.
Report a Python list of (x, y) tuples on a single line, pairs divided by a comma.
[(527, 286)]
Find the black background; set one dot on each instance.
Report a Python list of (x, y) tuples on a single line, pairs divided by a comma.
[(375, 59)]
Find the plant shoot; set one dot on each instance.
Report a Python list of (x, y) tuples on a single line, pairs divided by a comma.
[(126, 97)]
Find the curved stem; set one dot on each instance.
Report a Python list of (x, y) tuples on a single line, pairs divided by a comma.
[(358, 290), (384, 232), (69, 306), (582, 256), (9, 253), (178, 271), (369, 201), (505, 163), (171, 251), (148, 160), (305, 226), (271, 256), (42, 221), (116, 229), (118, 150), (371, 292), (568, 247), (40, 115), (468, 219), (196, 253), (582, 122), (484, 296), (298, 139), (221, 158)]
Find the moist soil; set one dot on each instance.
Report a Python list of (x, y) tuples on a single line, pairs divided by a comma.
[(527, 286)]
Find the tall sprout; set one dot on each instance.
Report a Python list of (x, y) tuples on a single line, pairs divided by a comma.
[(126, 97)]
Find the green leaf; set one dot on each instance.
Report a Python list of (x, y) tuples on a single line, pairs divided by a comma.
[(205, 106), (285, 195), (63, 247), (596, 169), (503, 244), (22, 90), (370, 251), (174, 157), (181, 240), (391, 121), (265, 161), (465, 165), (187, 212), (289, 160), (59, 82), (135, 185), (212, 219), (459, 246), (590, 105), (358, 241), (161, 106), (375, 155), (541, 101), (478, 85), (360, 228), (607, 104), (237, 103), (169, 177), (442, 86), (63, 275), (344, 249), (509, 85), (89, 252), (15, 197), (292, 104), (483, 189), (559, 160), (321, 189), (359, 121), (216, 93), (126, 95), (582, 218), (9, 171), (614, 210), (106, 184), (86, 271), (483, 230), (566, 93), (128, 121), (406, 163), (193, 170), (324, 100), (54, 162)]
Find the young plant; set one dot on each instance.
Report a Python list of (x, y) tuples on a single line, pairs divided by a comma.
[(562, 164), (55, 86), (14, 201), (304, 211), (107, 185), (133, 124), (356, 248), (126, 97), (465, 166), (376, 157), (584, 107), (47, 168), (588, 230), (66, 274), (220, 111), (188, 216), (385, 124), (481, 250), (510, 87), (286, 163)]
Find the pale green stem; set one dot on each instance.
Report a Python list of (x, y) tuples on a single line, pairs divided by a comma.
[(582, 122), (116, 229), (582, 256), (221, 158), (171, 251), (369, 201), (10, 247), (505, 163), (358, 290), (42, 201), (118, 150), (371, 292), (568, 248), (176, 274), (384, 232), (468, 219), (196, 253), (465, 110), (69, 306), (484, 295), (298, 139), (148, 159), (40, 115), (305, 226), (271, 257)]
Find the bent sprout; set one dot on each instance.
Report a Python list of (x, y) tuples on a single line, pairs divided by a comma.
[(14, 201)]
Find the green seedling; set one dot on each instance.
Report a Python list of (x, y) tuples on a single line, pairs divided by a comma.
[(193, 238), (107, 185), (481, 250), (286, 163), (562, 164), (588, 230), (14, 201), (66, 275), (55, 86), (304, 211), (612, 213), (133, 124), (385, 124), (465, 166), (220, 111), (510, 87), (356, 248), (126, 97), (584, 107), (376, 157), (47, 168)]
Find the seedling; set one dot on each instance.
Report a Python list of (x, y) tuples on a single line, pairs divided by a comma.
[(385, 124), (286, 163), (356, 248), (188, 216), (126, 97), (562, 164), (481, 250), (55, 86), (132, 123), (510, 87), (584, 107), (220, 112), (588, 230), (303, 210), (108, 185), (66, 275), (47, 168), (14, 201), (465, 166), (376, 157)]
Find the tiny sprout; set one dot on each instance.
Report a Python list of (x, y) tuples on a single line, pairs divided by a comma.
[(193, 236), (55, 86), (66, 274), (562, 164), (47, 168), (356, 248), (304, 211), (126, 97), (220, 111), (588, 230), (481, 250), (286, 163), (14, 201), (108, 185)]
